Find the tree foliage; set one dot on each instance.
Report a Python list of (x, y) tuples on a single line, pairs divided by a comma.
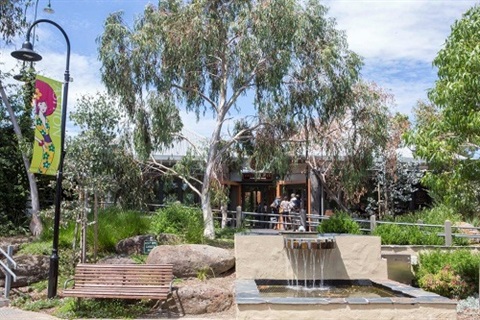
[(13, 179), (447, 134), (202, 56), (12, 17), (97, 160), (343, 150), (395, 179), (12, 23)]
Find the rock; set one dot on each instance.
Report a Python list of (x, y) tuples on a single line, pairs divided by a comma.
[(464, 229), (205, 297), (30, 269), (15, 242), (134, 245), (116, 260), (190, 259)]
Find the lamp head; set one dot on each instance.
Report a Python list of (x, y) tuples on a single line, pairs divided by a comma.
[(48, 8), (26, 53), (20, 77)]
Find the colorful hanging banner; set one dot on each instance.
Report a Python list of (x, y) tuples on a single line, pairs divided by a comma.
[(47, 105)]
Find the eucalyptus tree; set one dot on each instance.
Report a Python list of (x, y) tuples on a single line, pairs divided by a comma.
[(342, 151), (202, 56), (13, 178), (12, 18), (447, 134), (12, 23)]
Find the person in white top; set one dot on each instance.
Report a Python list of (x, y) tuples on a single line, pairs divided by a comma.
[(285, 213)]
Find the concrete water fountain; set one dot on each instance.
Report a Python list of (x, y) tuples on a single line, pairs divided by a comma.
[(308, 260)]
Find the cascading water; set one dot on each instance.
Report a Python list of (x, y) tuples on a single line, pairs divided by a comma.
[(305, 254)]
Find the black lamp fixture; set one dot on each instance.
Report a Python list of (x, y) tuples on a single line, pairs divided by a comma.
[(26, 53)]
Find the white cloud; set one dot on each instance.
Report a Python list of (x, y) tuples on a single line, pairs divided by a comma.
[(391, 30), (398, 40)]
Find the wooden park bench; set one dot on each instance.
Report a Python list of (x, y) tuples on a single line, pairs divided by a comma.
[(122, 281)]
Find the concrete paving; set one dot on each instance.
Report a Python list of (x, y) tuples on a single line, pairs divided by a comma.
[(9, 313)]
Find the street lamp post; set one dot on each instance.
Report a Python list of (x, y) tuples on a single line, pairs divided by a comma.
[(26, 53)]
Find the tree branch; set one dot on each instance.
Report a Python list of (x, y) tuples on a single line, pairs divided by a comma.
[(210, 101), (167, 170)]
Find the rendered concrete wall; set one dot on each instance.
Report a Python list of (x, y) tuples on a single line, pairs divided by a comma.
[(264, 257), (344, 312)]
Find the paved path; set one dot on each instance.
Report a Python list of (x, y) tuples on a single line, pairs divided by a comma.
[(8, 313)]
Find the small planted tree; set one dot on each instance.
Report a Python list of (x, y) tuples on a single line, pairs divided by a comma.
[(98, 163)]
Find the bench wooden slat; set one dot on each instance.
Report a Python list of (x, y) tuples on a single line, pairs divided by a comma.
[(121, 281)]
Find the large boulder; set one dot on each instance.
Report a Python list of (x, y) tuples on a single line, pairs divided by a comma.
[(15, 242), (134, 245), (191, 259), (117, 260), (30, 269), (199, 297)]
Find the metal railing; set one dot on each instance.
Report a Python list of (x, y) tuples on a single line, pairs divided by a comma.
[(7, 267), (244, 219)]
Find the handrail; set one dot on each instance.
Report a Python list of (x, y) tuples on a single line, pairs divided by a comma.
[(9, 258), (7, 269), (313, 220), (9, 274)]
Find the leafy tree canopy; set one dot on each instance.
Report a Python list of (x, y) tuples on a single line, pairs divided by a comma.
[(97, 159), (447, 134), (203, 55)]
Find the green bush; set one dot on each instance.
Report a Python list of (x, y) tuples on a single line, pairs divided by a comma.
[(339, 222), (186, 222), (414, 235), (115, 224), (453, 274), (394, 234), (103, 308), (437, 215)]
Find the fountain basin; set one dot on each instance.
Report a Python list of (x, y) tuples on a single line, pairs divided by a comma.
[(352, 258), (413, 303)]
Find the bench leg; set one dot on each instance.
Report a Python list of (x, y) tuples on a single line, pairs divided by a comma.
[(77, 303)]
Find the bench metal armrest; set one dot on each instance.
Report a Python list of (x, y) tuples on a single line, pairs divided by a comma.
[(171, 284), (66, 282)]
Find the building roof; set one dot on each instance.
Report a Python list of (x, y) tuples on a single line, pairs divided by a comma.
[(180, 147)]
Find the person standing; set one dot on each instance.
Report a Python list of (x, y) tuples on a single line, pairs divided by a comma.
[(275, 206), (294, 210), (285, 212)]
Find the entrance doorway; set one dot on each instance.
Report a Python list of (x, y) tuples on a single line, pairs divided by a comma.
[(256, 195)]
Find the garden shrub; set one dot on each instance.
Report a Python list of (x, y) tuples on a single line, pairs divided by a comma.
[(186, 222), (446, 282), (415, 235), (115, 224), (394, 234), (453, 274), (339, 222)]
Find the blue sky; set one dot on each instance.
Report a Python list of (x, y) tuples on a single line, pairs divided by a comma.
[(398, 40)]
